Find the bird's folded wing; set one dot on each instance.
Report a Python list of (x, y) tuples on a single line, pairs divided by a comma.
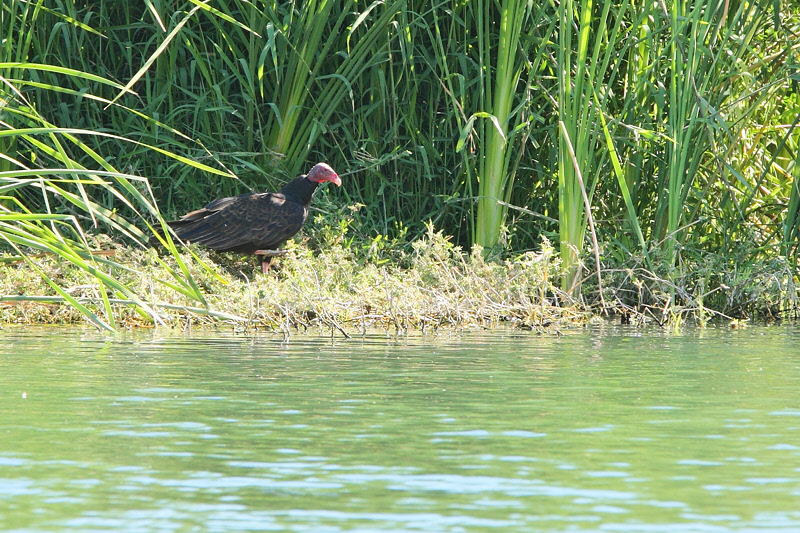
[(243, 222)]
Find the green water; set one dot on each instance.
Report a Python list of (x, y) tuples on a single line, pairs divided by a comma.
[(606, 430)]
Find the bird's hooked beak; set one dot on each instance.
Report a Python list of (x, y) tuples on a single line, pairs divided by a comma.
[(323, 172)]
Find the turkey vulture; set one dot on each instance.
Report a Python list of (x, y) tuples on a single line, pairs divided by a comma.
[(254, 223)]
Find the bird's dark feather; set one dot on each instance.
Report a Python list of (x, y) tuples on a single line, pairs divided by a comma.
[(243, 223)]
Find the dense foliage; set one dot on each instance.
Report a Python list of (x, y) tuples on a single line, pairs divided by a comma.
[(499, 122)]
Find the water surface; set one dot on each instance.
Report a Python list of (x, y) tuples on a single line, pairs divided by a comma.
[(605, 430)]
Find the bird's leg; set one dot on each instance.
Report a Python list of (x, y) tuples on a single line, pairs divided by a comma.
[(266, 255)]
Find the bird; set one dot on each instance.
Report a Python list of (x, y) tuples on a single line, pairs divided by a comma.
[(256, 223)]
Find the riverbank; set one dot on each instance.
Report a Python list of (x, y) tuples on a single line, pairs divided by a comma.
[(429, 285), (350, 287)]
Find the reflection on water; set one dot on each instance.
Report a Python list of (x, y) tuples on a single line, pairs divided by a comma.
[(605, 430)]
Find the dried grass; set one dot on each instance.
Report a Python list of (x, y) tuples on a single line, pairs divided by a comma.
[(334, 288)]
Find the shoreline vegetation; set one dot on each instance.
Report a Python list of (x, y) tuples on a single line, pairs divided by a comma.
[(502, 161), (428, 286)]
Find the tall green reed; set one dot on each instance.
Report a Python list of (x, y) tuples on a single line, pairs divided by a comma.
[(704, 58), (501, 66), (586, 68)]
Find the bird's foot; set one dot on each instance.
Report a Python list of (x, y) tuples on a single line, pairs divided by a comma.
[(266, 255), (270, 253)]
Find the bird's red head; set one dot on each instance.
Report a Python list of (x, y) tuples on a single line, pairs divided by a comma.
[(323, 172)]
